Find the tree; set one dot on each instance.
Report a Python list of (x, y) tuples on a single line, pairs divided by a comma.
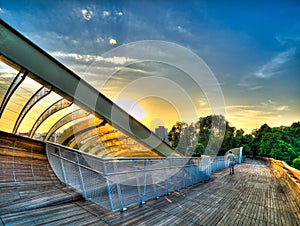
[(174, 134), (247, 144), (212, 129), (296, 163), (184, 142), (198, 150), (213, 135), (229, 140), (258, 134), (277, 144), (283, 151), (238, 138)]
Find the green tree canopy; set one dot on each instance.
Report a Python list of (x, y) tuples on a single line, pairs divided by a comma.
[(206, 135)]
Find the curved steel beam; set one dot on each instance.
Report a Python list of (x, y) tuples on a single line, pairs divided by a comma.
[(66, 119), (57, 106), (83, 136), (101, 134), (101, 150), (42, 67), (103, 129), (79, 128), (12, 88), (116, 151), (40, 94), (124, 143), (90, 142)]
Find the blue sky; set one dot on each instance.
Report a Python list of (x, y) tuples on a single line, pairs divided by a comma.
[(252, 47)]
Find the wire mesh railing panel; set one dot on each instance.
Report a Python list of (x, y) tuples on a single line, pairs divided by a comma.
[(56, 163), (159, 181), (116, 184), (95, 188), (218, 163), (72, 175), (91, 162), (115, 201), (149, 190)]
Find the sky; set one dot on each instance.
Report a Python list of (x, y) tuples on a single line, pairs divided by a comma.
[(168, 61)]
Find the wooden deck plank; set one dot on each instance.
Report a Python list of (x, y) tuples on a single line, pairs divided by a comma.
[(222, 201), (30, 194)]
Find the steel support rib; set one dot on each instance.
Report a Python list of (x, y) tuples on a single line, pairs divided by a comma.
[(43, 67), (40, 94), (91, 141), (81, 127), (66, 119), (13, 86), (57, 106)]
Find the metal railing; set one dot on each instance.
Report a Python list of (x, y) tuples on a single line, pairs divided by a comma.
[(117, 183)]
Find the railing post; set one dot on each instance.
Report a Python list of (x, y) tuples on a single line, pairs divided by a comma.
[(166, 180), (198, 169), (108, 186), (118, 186), (154, 184), (176, 186), (145, 182), (140, 196), (62, 166), (80, 176), (184, 171)]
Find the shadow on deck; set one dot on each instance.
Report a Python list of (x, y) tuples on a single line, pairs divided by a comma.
[(31, 195)]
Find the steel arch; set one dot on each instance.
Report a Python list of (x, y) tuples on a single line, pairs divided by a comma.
[(57, 106)]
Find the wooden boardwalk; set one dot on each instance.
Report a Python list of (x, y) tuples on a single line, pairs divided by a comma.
[(30, 194)]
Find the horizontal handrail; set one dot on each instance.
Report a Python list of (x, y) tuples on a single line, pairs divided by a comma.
[(287, 169), (120, 158), (122, 172), (77, 164)]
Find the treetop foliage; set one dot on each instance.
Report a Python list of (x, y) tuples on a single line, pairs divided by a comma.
[(213, 135)]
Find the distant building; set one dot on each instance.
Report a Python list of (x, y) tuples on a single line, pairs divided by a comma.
[(23, 134), (162, 132)]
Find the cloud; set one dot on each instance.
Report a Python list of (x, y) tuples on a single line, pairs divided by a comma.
[(250, 83), (181, 29), (273, 66), (255, 87), (111, 17), (268, 70), (117, 60), (272, 105), (105, 14), (282, 108), (287, 40), (119, 13), (99, 40), (87, 14), (250, 113), (1, 10), (271, 102), (112, 41), (251, 117)]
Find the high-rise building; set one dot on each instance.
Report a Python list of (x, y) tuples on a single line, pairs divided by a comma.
[(162, 132)]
